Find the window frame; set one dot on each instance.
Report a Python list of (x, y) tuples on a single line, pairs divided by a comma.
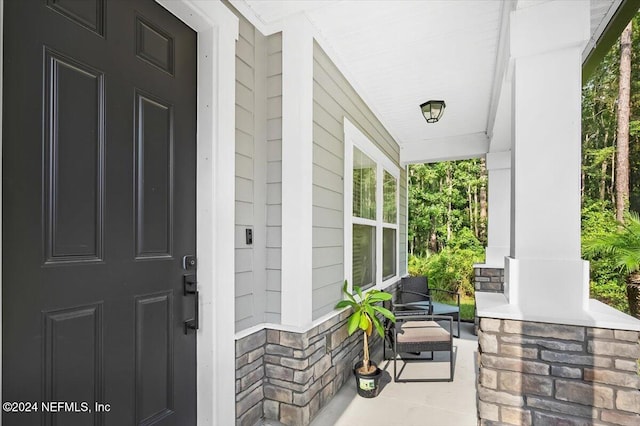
[(353, 137)]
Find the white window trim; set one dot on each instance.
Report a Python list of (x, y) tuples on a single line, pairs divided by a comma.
[(354, 137)]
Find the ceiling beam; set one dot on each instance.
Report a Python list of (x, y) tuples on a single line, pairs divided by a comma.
[(460, 147), (599, 48)]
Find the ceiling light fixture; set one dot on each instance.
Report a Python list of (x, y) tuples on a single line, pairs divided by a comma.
[(432, 110)]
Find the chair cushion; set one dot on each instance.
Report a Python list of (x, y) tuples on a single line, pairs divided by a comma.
[(443, 308), (422, 331)]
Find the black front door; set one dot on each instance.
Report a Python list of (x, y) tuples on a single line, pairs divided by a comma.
[(99, 154)]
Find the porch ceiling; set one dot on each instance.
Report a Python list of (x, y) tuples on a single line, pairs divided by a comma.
[(398, 54)]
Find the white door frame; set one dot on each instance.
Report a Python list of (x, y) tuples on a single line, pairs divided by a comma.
[(217, 30)]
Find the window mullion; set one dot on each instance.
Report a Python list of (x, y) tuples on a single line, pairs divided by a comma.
[(361, 221)]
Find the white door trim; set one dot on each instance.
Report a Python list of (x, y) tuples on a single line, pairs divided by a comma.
[(217, 30)]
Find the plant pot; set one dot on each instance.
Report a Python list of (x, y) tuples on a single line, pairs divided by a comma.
[(367, 384)]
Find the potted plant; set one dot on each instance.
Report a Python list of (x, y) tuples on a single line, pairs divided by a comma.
[(364, 318), (624, 248)]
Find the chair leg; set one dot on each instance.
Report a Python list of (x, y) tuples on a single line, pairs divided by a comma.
[(395, 373), (451, 365), (458, 336)]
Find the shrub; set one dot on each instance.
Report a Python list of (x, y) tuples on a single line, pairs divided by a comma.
[(607, 280), (451, 268), (613, 293)]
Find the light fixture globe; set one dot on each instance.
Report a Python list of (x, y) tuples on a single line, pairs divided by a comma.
[(432, 110)]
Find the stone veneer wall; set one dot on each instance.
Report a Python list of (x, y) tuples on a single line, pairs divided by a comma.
[(250, 352), (490, 280), (550, 374), (288, 376)]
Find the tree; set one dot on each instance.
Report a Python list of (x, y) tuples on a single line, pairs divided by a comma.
[(601, 104), (483, 201), (444, 199), (622, 152)]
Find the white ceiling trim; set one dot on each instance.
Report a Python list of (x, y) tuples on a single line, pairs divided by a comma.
[(255, 19), (283, 9)]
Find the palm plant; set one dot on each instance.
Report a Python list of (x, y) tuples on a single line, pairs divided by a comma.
[(623, 247), (364, 316)]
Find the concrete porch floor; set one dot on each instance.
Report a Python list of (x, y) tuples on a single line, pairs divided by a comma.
[(412, 404)]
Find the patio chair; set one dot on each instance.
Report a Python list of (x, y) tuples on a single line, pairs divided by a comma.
[(399, 310), (421, 333), (415, 292)]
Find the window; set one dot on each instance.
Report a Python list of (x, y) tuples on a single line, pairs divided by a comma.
[(364, 220), (390, 225), (371, 212)]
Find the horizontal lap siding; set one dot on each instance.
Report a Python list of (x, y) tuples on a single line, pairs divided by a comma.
[(274, 177), (334, 99), (246, 310)]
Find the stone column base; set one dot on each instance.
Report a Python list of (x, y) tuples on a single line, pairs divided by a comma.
[(549, 374), (487, 279)]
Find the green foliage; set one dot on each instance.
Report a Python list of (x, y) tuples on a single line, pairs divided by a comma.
[(365, 308), (444, 199), (612, 293), (607, 283), (622, 246), (465, 240), (447, 222), (452, 268), (364, 315), (467, 308)]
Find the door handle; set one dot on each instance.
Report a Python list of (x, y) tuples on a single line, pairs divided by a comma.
[(191, 288)]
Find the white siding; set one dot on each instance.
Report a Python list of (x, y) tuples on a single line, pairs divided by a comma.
[(246, 293), (257, 183), (334, 99)]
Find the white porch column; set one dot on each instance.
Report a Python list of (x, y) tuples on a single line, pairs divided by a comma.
[(545, 274), (499, 202), (297, 165)]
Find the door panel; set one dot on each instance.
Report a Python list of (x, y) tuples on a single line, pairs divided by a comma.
[(88, 13), (154, 190), (74, 111), (73, 360), (154, 357), (154, 45), (99, 162)]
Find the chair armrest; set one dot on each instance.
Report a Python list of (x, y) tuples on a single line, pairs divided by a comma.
[(423, 317), (407, 307), (412, 308)]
